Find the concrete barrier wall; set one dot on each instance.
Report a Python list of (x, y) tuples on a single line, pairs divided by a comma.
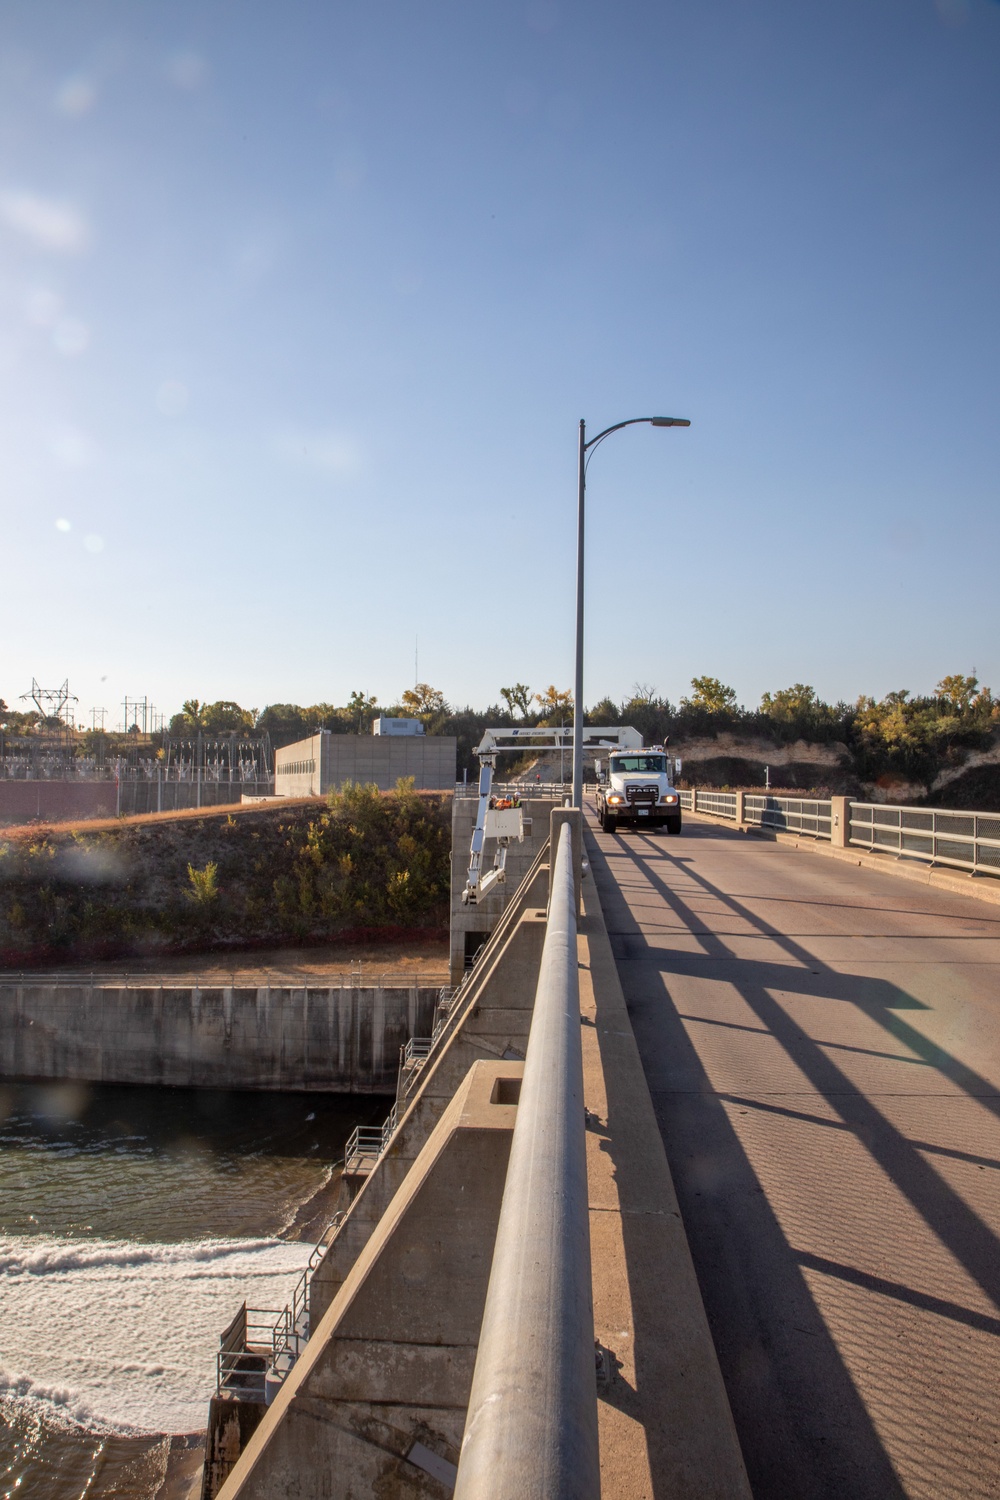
[(339, 1040), (56, 801), (171, 796)]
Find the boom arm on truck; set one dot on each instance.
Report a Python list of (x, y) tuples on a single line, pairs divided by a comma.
[(504, 822)]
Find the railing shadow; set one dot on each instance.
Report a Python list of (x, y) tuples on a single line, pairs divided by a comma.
[(804, 1425)]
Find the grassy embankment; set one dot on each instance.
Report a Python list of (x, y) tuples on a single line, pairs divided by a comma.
[(366, 864)]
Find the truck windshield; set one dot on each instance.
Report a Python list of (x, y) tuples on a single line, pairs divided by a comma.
[(653, 764)]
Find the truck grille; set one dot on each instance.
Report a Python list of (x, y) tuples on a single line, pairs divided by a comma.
[(642, 794)]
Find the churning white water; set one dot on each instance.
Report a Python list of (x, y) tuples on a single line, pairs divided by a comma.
[(133, 1224), (124, 1335)]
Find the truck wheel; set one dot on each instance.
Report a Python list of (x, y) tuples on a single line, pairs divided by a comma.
[(674, 824), (609, 823)]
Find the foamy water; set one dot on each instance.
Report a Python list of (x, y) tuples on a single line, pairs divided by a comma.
[(123, 1336), (133, 1224)]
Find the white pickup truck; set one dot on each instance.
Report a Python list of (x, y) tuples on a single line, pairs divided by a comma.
[(636, 789)]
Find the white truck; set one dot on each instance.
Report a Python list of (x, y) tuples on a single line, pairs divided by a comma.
[(636, 788), (500, 817)]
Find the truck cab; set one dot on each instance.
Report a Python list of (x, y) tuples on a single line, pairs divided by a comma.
[(636, 789)]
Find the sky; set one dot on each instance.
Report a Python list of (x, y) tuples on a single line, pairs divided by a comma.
[(301, 307)]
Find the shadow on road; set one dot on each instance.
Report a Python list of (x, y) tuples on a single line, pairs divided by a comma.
[(803, 1425)]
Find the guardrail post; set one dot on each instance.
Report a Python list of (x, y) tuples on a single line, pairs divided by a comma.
[(739, 808), (840, 822), (574, 818), (694, 799)]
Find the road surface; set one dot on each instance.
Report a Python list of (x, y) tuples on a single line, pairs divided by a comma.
[(822, 1044)]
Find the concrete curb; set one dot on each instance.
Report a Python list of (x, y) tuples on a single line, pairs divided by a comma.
[(977, 887)]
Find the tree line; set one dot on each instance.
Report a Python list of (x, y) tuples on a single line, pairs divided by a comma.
[(909, 734)]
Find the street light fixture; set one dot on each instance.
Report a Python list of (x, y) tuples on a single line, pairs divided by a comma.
[(585, 448)]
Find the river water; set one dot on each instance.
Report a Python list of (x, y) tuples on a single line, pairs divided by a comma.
[(133, 1223)]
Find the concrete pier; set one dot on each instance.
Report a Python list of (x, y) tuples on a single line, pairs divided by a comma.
[(375, 1404)]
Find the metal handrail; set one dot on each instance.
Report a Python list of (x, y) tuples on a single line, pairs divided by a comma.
[(523, 789), (965, 840), (415, 1050), (240, 1367), (531, 1427), (367, 1142), (720, 804), (788, 814), (225, 980)]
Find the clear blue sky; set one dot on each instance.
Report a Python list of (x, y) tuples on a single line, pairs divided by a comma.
[(300, 307)]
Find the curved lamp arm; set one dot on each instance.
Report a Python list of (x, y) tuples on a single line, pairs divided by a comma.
[(585, 452)]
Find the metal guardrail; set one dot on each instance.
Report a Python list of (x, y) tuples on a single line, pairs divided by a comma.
[(531, 1428), (415, 1051), (965, 840), (720, 804), (366, 1143), (528, 788), (251, 979), (786, 814), (245, 1352), (261, 1345)]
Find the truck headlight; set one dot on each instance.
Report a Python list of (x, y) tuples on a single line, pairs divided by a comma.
[(670, 797), (615, 798)]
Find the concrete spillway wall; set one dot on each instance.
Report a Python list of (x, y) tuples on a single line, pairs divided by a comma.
[(343, 1040)]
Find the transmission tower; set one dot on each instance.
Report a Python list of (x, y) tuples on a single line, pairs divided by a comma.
[(50, 702)]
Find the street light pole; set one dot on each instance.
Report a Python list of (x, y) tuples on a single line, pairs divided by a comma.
[(577, 799)]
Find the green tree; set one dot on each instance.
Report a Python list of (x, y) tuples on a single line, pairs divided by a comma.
[(361, 710), (193, 711), (959, 691), (796, 702), (204, 883), (517, 699), (423, 701), (225, 717), (604, 712), (711, 695), (555, 704)]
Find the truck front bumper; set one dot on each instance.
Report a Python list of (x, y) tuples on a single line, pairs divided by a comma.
[(643, 812)]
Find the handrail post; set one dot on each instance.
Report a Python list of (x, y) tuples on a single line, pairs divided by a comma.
[(531, 1428)]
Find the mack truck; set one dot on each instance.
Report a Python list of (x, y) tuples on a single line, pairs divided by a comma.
[(500, 817), (636, 788)]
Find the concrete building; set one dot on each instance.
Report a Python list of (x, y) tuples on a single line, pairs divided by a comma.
[(323, 762)]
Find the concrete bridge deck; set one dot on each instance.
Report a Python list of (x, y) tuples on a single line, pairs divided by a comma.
[(822, 1045)]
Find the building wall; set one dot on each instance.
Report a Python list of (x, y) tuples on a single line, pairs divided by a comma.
[(297, 767), (430, 759), (56, 801), (322, 763)]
